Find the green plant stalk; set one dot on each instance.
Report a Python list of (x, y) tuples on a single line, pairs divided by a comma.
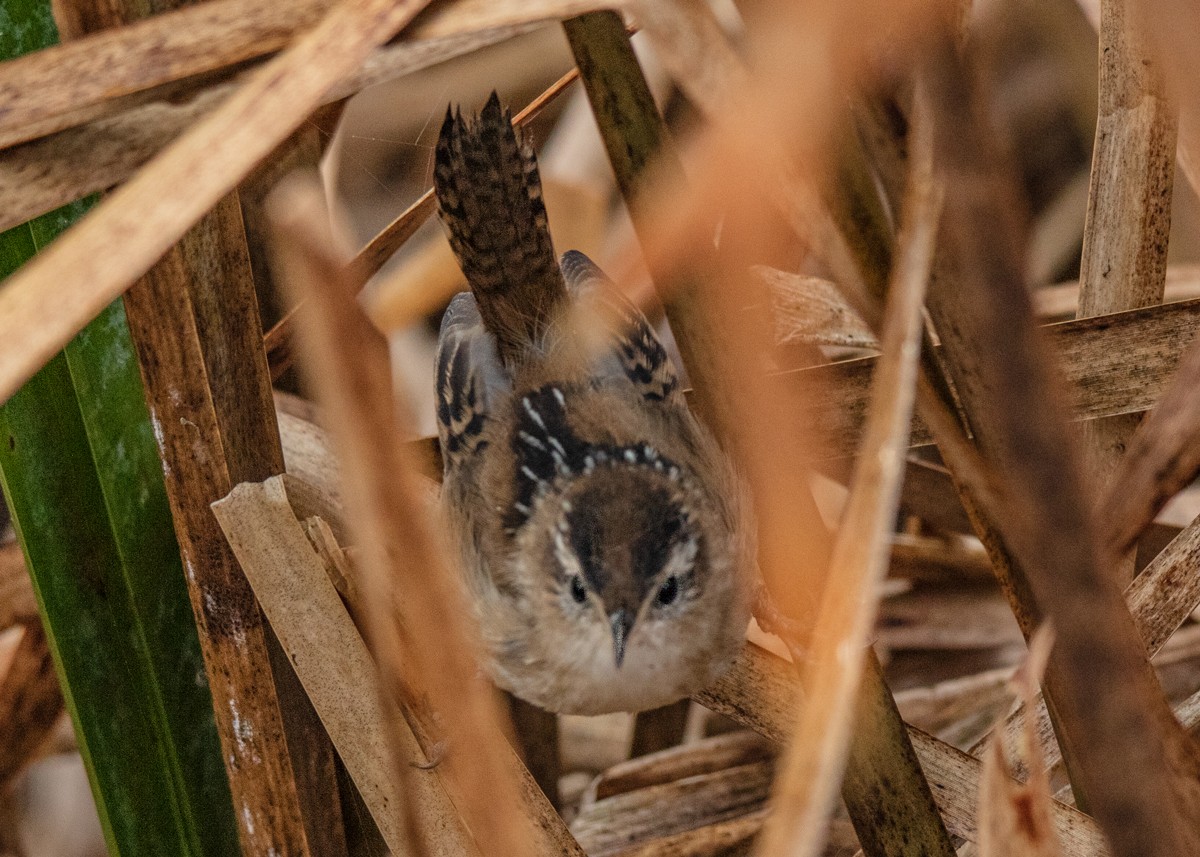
[(885, 791), (82, 477)]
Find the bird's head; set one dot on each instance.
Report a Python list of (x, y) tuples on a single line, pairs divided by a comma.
[(630, 549), (628, 561)]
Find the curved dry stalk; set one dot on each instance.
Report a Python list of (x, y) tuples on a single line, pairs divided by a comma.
[(415, 610), (808, 782)]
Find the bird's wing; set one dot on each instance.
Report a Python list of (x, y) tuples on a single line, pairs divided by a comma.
[(636, 353), (470, 378)]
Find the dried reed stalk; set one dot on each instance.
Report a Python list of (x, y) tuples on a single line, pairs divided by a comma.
[(689, 41), (41, 175), (194, 322), (948, 415), (207, 391), (763, 693), (1128, 222), (51, 298), (76, 81), (647, 816), (715, 840), (1160, 599), (1124, 260), (83, 80), (949, 419), (334, 665), (676, 763), (416, 614), (1015, 819), (807, 785), (1118, 735), (1163, 457), (1116, 364), (1061, 301)]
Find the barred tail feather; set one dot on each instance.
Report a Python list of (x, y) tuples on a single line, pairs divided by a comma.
[(490, 200)]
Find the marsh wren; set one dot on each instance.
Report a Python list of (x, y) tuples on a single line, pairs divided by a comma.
[(599, 524)]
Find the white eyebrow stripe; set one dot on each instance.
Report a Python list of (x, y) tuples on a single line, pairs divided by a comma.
[(682, 558), (563, 553)]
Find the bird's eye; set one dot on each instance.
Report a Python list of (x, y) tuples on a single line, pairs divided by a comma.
[(668, 592), (577, 590)]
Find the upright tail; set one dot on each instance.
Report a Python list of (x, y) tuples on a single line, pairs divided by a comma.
[(490, 199)]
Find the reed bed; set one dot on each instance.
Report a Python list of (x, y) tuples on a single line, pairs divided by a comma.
[(919, 265)]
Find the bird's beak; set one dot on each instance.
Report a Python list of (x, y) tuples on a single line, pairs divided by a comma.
[(621, 621)]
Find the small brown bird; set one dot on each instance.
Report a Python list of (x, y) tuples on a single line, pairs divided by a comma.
[(600, 526)]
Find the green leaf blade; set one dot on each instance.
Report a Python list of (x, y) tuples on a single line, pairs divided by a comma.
[(80, 470)]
